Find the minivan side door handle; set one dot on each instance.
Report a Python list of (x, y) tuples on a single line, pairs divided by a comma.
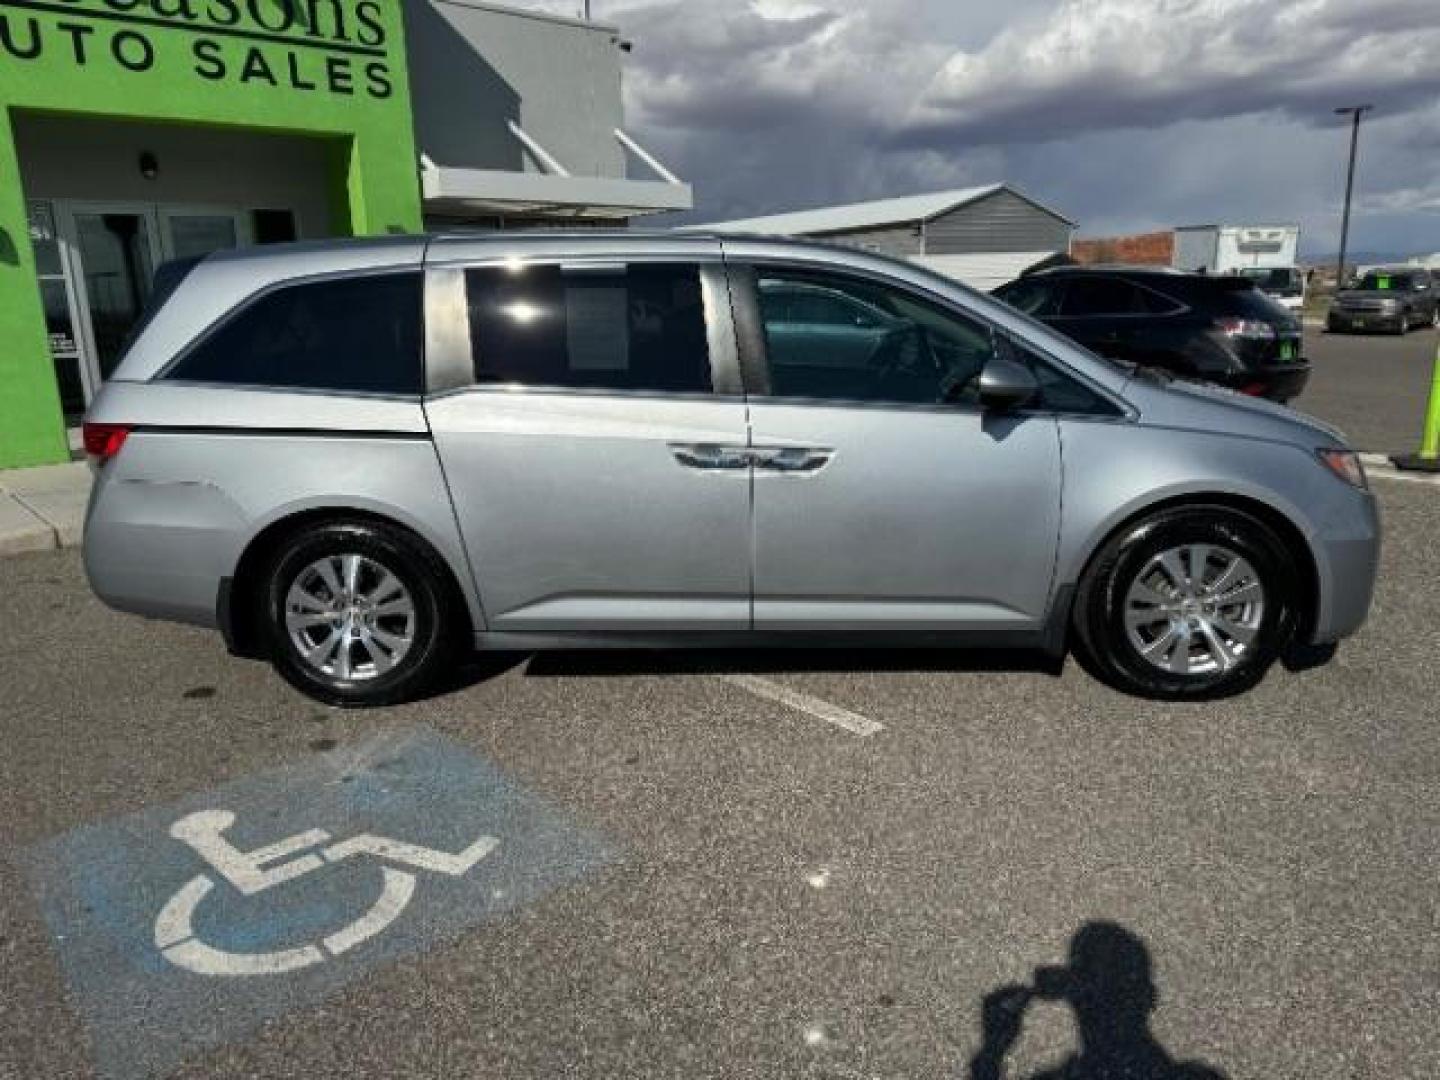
[(711, 457), (792, 459)]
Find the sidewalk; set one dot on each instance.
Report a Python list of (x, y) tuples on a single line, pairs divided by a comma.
[(44, 508)]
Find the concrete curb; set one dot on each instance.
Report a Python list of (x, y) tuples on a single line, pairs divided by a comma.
[(1380, 467), (43, 509), (21, 531)]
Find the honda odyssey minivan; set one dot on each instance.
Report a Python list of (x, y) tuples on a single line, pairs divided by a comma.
[(357, 459)]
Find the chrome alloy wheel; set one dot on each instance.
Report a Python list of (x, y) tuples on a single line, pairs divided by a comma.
[(349, 617), (1195, 610)]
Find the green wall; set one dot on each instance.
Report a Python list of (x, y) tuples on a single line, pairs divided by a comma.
[(328, 68)]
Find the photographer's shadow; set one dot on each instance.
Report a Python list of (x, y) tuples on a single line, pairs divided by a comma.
[(1108, 985)]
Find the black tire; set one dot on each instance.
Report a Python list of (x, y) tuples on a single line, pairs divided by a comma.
[(1103, 643), (434, 628)]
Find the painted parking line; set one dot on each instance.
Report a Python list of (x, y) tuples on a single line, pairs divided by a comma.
[(806, 703), (189, 925)]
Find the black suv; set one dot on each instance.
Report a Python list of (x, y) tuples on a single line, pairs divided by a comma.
[(1220, 329)]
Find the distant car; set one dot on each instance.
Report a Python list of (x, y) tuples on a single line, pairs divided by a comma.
[(1218, 329), (1392, 300), (1283, 284)]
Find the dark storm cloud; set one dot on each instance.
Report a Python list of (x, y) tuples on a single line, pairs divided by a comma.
[(1098, 65), (1122, 113)]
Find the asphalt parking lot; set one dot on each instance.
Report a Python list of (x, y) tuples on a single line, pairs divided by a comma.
[(1371, 386), (706, 880)]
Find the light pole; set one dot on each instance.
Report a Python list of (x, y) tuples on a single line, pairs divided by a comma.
[(1354, 112)]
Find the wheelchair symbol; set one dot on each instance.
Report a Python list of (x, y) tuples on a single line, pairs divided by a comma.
[(255, 871)]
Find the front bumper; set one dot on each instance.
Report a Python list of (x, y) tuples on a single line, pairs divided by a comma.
[(1349, 560), (1351, 321)]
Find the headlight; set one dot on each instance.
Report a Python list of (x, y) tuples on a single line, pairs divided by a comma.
[(1346, 465)]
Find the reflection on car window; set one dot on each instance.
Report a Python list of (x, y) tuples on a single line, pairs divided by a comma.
[(813, 304), (639, 327), (1154, 303), (1035, 298), (837, 338)]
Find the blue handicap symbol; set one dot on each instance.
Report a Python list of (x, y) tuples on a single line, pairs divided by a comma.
[(186, 926)]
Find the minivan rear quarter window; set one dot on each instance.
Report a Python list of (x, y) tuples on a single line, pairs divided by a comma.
[(608, 327), (353, 334)]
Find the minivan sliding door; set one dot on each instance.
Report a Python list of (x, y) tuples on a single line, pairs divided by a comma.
[(595, 445)]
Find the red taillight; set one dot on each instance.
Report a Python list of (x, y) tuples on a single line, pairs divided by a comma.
[(1254, 389), (103, 441), (1252, 329)]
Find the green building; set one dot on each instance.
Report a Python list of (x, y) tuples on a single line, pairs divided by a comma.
[(137, 131)]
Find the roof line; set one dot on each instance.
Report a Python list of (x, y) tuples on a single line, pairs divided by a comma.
[(531, 13), (1032, 201)]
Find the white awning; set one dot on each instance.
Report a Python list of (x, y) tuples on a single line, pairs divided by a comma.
[(554, 193)]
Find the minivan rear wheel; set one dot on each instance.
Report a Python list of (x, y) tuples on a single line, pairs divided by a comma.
[(356, 613), (1190, 603)]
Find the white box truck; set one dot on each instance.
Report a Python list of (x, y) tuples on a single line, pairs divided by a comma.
[(1268, 254)]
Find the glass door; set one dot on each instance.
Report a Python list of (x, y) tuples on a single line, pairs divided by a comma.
[(57, 296), (116, 250), (112, 250)]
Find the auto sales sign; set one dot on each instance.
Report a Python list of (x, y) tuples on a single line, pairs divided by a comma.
[(332, 47)]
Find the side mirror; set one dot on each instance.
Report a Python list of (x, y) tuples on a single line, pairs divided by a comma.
[(1006, 384)]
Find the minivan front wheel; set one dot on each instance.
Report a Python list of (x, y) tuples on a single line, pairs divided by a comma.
[(1193, 602), (357, 614)]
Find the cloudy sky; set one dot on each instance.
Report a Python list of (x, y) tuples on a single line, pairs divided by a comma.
[(1124, 114)]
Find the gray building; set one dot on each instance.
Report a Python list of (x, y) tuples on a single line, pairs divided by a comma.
[(983, 236), (519, 121)]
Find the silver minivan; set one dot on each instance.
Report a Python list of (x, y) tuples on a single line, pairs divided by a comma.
[(357, 458)]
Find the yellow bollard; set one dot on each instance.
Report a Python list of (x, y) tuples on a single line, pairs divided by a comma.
[(1428, 459)]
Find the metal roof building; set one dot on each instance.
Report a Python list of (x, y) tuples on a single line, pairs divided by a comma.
[(982, 236)]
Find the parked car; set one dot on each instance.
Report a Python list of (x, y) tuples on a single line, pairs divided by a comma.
[(1219, 329), (1283, 284), (1392, 300), (357, 458)]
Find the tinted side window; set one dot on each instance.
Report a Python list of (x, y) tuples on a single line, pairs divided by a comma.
[(912, 351), (640, 327), (1037, 298), (1100, 296), (1155, 303), (359, 334), (1246, 303), (1060, 392)]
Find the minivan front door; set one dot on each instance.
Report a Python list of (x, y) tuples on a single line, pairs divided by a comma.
[(596, 453), (898, 506)]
